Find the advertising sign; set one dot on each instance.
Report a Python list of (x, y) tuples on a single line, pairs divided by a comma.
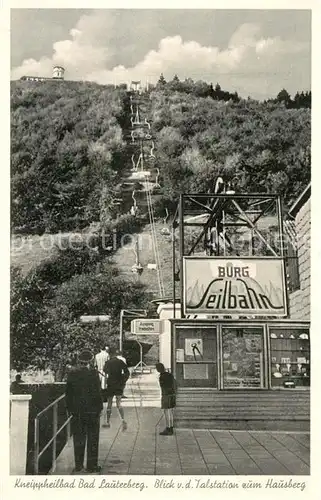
[(194, 348), (146, 326), (234, 286), (195, 372)]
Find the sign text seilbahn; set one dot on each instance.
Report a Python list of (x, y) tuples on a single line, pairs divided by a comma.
[(215, 285)]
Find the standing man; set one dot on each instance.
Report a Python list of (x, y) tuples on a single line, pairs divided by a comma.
[(84, 403), (117, 375), (100, 360), (15, 387), (121, 357)]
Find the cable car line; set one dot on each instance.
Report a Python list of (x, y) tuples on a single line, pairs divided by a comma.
[(140, 173)]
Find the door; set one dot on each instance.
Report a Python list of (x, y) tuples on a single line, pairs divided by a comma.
[(196, 356)]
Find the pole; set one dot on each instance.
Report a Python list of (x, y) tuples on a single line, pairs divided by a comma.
[(121, 330), (174, 270), (141, 356), (181, 250), (134, 313), (281, 251)]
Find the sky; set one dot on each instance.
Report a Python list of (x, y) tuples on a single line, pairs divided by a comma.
[(253, 52)]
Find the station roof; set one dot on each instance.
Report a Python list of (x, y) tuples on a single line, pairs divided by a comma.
[(301, 200)]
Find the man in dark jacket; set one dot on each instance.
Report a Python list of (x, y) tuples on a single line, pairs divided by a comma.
[(117, 375), (15, 387), (84, 402)]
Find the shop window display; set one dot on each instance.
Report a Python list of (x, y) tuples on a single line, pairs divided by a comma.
[(290, 357), (242, 357), (196, 357)]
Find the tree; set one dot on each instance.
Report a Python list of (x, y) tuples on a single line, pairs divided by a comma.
[(161, 81), (45, 328), (284, 97), (66, 144), (29, 322)]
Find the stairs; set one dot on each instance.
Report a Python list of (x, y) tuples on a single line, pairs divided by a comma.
[(257, 410)]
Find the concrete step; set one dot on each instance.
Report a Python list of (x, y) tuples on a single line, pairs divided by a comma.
[(245, 414), (240, 404), (217, 424), (286, 394)]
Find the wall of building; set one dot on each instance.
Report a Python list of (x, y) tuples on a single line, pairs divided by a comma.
[(166, 312), (299, 300)]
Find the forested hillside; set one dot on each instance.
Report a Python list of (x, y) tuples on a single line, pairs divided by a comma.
[(68, 145), (260, 147), (66, 152), (70, 148)]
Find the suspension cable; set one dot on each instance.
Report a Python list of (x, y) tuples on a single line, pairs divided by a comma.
[(154, 241), (156, 247)]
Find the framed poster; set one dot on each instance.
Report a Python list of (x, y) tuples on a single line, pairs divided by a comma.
[(193, 349), (195, 371)]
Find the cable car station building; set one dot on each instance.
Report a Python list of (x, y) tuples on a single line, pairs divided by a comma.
[(237, 340)]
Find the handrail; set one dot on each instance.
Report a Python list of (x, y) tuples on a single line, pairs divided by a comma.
[(37, 452), (50, 405)]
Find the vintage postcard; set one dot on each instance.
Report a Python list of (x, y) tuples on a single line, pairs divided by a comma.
[(162, 310)]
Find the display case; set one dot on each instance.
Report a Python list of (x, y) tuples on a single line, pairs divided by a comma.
[(196, 357), (243, 363), (289, 356)]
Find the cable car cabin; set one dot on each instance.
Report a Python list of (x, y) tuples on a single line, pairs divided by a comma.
[(139, 175), (137, 269), (134, 211)]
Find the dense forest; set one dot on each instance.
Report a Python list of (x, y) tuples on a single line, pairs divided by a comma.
[(69, 151), (68, 147)]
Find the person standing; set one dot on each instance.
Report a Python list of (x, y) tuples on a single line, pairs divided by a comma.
[(15, 387), (84, 403), (100, 360), (117, 375), (168, 402), (121, 357)]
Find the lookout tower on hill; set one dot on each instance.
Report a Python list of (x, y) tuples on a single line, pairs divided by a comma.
[(58, 72)]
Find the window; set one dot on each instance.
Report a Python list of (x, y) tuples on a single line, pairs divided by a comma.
[(196, 357), (242, 357), (290, 356)]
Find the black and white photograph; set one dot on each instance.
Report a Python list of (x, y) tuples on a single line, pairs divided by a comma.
[(160, 257)]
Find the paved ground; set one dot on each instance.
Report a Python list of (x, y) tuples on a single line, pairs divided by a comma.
[(140, 450)]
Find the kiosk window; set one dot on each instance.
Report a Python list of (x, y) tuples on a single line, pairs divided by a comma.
[(290, 357), (242, 357), (196, 356)]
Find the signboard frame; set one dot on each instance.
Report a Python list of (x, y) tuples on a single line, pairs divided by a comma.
[(254, 312), (136, 323)]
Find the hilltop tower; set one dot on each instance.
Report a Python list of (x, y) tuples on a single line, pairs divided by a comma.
[(58, 72)]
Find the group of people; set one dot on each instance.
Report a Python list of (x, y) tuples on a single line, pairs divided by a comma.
[(97, 380)]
